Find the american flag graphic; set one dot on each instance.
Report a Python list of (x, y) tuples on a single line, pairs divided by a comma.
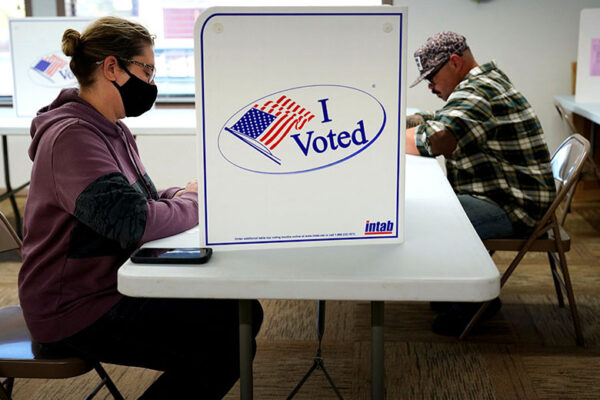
[(48, 66), (264, 127)]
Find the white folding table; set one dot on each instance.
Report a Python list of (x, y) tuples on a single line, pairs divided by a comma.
[(442, 259)]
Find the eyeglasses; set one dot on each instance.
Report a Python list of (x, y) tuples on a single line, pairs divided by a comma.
[(149, 67), (429, 78)]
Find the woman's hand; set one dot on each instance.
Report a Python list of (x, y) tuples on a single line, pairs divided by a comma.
[(192, 186)]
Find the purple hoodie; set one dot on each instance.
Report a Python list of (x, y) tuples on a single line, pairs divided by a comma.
[(90, 204)]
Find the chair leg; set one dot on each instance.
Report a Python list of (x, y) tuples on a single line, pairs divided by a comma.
[(559, 295), (6, 389), (474, 320), (507, 273), (106, 381), (571, 297)]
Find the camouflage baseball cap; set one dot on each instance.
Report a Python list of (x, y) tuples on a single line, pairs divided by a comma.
[(436, 51)]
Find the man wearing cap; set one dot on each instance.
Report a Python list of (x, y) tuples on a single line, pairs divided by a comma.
[(497, 160)]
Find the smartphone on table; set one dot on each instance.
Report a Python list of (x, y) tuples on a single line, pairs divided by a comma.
[(193, 255)]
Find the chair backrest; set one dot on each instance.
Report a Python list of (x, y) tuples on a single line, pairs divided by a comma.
[(566, 204), (567, 162), (564, 115), (9, 240)]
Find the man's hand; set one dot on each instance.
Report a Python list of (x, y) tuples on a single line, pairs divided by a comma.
[(414, 120)]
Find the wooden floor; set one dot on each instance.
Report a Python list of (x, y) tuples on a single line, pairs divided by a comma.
[(527, 351)]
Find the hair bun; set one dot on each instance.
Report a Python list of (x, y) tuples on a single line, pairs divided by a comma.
[(71, 41)]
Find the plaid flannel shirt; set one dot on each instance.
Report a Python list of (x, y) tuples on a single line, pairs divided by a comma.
[(501, 155)]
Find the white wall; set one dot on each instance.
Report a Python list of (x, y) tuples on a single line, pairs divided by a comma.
[(533, 42)]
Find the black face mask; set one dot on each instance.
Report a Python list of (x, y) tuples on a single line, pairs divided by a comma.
[(137, 95)]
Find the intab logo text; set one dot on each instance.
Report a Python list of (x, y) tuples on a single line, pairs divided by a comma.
[(379, 228)]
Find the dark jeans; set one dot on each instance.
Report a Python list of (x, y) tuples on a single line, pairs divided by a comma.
[(195, 342), (489, 220)]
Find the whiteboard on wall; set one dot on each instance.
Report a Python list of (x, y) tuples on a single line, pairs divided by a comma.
[(587, 89), (40, 68), (301, 125)]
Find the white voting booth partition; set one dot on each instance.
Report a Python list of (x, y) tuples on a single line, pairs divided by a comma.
[(40, 69), (587, 88), (300, 115)]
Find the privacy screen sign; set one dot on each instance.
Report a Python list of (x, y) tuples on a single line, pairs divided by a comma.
[(300, 125), (40, 68)]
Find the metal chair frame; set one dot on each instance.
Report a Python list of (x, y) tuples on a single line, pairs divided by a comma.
[(548, 236)]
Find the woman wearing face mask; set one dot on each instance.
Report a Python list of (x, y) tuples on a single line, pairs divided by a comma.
[(90, 204)]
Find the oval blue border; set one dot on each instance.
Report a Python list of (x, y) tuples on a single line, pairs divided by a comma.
[(312, 169)]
